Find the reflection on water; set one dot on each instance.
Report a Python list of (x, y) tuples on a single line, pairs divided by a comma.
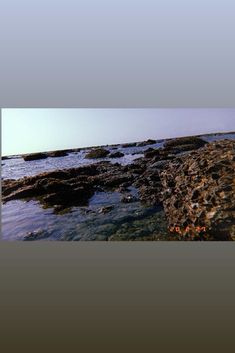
[(121, 222)]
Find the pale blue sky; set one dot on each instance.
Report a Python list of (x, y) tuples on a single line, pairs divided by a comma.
[(33, 130)]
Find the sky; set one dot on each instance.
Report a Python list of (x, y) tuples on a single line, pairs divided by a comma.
[(38, 130)]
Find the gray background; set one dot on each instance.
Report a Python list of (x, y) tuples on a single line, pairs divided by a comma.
[(125, 53), (92, 297)]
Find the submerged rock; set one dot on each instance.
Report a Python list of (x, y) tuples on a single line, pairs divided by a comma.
[(97, 153)]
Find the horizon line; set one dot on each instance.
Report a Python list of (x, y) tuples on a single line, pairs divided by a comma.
[(120, 143)]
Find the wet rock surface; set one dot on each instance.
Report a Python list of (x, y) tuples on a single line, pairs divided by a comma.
[(188, 181)]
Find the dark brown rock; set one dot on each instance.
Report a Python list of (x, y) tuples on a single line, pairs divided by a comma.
[(117, 180), (35, 156), (106, 209), (128, 145), (55, 154), (97, 153), (159, 164), (199, 191), (152, 153), (192, 140), (146, 143), (116, 155), (78, 196), (22, 193), (183, 148)]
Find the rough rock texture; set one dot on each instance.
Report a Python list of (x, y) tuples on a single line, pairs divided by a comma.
[(61, 187), (67, 188), (55, 154), (151, 153), (194, 142), (146, 143), (191, 140), (199, 193), (35, 156), (97, 153), (127, 145), (116, 155)]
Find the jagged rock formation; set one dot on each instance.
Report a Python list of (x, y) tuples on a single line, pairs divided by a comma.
[(199, 193), (66, 188)]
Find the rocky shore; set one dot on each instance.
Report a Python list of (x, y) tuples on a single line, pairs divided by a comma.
[(191, 180)]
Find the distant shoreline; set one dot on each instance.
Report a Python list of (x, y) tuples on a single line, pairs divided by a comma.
[(117, 144)]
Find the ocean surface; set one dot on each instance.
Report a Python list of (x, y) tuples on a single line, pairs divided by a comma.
[(125, 221)]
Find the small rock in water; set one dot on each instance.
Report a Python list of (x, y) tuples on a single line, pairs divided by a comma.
[(97, 153), (35, 156), (128, 145), (116, 155), (106, 209), (55, 154), (146, 143)]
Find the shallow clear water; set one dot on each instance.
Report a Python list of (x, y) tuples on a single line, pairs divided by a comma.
[(124, 221)]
